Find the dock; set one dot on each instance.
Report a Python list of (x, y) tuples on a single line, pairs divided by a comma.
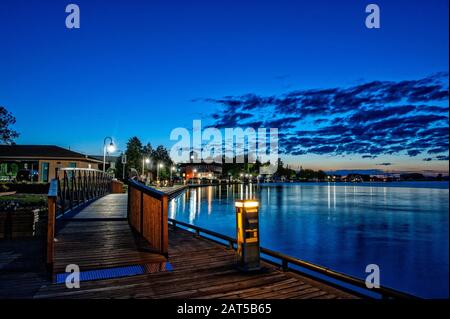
[(200, 268), (125, 246)]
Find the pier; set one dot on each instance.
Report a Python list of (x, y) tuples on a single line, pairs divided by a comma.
[(126, 247)]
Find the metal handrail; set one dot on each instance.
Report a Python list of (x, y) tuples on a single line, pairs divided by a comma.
[(385, 292), (78, 186), (84, 169)]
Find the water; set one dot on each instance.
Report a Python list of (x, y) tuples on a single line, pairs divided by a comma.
[(401, 227)]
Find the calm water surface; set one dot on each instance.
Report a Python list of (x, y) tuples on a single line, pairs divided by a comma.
[(402, 227)]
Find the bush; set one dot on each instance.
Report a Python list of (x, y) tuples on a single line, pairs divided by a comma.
[(22, 201), (28, 188)]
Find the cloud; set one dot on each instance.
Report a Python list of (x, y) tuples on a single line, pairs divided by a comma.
[(371, 119), (385, 164), (442, 158)]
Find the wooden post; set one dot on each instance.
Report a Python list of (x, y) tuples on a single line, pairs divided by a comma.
[(51, 231), (164, 226), (284, 265), (51, 220)]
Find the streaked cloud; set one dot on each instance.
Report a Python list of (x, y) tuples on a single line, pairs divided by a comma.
[(370, 119)]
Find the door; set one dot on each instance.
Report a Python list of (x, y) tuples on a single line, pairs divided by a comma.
[(44, 172)]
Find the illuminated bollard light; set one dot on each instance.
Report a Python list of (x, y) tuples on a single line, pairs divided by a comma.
[(247, 228)]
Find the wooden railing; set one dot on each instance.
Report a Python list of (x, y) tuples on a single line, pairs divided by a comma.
[(71, 189), (147, 215), (285, 261)]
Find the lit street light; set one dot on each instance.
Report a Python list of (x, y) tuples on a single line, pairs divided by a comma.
[(171, 170), (110, 148), (145, 160), (160, 165)]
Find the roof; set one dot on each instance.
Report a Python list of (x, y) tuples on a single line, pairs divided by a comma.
[(40, 151)]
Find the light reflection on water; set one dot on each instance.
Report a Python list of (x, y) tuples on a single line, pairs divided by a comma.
[(345, 227)]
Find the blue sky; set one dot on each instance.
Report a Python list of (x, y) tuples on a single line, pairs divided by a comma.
[(145, 67)]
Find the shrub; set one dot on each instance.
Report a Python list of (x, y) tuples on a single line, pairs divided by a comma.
[(22, 201)]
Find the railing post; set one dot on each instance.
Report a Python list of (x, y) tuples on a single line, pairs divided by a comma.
[(284, 265), (51, 220), (51, 231), (164, 226), (141, 213)]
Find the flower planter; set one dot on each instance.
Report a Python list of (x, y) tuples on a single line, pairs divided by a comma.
[(19, 223)]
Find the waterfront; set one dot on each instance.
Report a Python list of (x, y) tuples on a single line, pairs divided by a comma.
[(402, 227)]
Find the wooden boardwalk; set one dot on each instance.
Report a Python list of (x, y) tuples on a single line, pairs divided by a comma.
[(201, 268), (110, 206)]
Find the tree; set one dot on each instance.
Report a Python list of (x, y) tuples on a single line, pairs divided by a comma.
[(160, 155), (134, 153), (147, 150), (7, 135)]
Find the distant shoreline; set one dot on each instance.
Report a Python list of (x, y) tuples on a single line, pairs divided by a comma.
[(406, 184)]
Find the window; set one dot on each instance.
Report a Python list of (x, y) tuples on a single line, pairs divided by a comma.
[(44, 172)]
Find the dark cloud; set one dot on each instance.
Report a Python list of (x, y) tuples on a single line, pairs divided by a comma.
[(385, 164), (375, 118)]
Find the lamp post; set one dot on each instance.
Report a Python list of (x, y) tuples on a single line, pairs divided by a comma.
[(145, 160), (111, 148), (160, 165), (171, 170), (124, 162)]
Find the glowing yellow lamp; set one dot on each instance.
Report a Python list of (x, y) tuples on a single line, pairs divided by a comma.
[(247, 234)]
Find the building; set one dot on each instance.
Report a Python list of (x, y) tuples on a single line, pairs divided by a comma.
[(109, 159), (201, 170), (43, 159)]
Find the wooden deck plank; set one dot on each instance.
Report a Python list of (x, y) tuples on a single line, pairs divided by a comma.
[(201, 268)]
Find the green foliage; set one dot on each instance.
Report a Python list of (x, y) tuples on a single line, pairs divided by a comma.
[(134, 153), (7, 135), (308, 174), (160, 155), (19, 201)]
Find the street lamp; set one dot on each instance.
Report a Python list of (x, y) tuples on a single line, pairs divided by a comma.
[(171, 170), (145, 160), (110, 148), (160, 165)]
